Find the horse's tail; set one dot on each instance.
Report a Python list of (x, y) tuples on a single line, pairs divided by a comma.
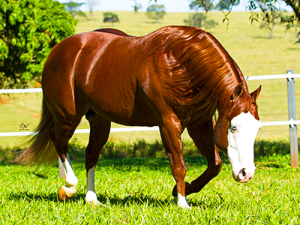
[(41, 148)]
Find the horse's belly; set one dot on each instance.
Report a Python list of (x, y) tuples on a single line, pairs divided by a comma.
[(136, 118), (126, 111)]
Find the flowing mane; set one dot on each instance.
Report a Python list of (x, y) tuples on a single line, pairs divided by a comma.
[(199, 69)]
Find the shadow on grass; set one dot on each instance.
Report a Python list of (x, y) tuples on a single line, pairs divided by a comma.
[(106, 201), (261, 37), (293, 49), (266, 37), (138, 149), (159, 164), (128, 156), (24, 196), (142, 148)]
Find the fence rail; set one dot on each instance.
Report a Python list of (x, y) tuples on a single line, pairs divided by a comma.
[(292, 122), (134, 129), (259, 77)]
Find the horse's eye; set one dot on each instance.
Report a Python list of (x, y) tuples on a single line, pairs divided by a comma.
[(233, 128)]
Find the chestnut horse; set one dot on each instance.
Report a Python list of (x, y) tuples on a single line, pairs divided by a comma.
[(174, 78)]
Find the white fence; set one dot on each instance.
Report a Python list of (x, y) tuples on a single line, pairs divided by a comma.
[(292, 122)]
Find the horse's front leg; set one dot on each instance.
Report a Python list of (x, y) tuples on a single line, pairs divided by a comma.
[(202, 136), (171, 137), (98, 137), (67, 191)]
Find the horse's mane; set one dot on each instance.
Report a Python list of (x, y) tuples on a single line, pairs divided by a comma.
[(199, 72)]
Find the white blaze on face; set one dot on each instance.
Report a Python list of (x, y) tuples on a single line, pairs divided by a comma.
[(241, 136)]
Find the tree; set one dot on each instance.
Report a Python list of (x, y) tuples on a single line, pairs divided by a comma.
[(200, 20), (195, 19), (29, 30), (291, 21), (206, 5), (156, 12), (91, 4), (110, 17), (226, 4), (137, 6), (271, 22), (73, 9), (269, 13)]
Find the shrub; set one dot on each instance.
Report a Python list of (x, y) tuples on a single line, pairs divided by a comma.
[(200, 20), (156, 12), (29, 30), (109, 17)]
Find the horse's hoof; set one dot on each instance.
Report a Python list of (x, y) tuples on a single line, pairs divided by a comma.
[(91, 199), (182, 202), (187, 190), (93, 203), (187, 207), (62, 194)]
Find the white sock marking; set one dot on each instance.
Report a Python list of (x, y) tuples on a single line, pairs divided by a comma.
[(70, 178), (182, 202), (91, 196)]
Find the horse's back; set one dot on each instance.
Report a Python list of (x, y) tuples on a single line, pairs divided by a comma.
[(111, 31)]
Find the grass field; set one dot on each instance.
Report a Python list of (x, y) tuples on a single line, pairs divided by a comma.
[(138, 191)]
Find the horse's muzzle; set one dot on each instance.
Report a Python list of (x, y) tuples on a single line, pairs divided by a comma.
[(244, 175)]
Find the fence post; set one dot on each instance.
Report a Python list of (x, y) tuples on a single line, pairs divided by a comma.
[(292, 116)]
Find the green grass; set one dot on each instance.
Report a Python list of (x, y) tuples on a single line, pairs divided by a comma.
[(138, 191)]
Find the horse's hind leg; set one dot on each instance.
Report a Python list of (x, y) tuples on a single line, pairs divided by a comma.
[(60, 137), (100, 129)]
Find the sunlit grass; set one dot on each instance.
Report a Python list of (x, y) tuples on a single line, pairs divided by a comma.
[(138, 191)]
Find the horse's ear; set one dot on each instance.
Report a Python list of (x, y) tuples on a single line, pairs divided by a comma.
[(238, 91), (255, 93)]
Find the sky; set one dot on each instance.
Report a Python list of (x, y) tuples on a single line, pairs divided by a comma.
[(170, 5)]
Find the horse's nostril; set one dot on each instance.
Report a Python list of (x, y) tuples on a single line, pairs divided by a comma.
[(243, 172)]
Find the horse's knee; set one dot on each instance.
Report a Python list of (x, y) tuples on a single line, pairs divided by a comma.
[(179, 172)]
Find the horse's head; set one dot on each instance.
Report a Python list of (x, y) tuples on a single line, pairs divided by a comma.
[(236, 130)]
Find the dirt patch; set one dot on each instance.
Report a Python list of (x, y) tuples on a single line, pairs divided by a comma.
[(36, 116), (5, 101)]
